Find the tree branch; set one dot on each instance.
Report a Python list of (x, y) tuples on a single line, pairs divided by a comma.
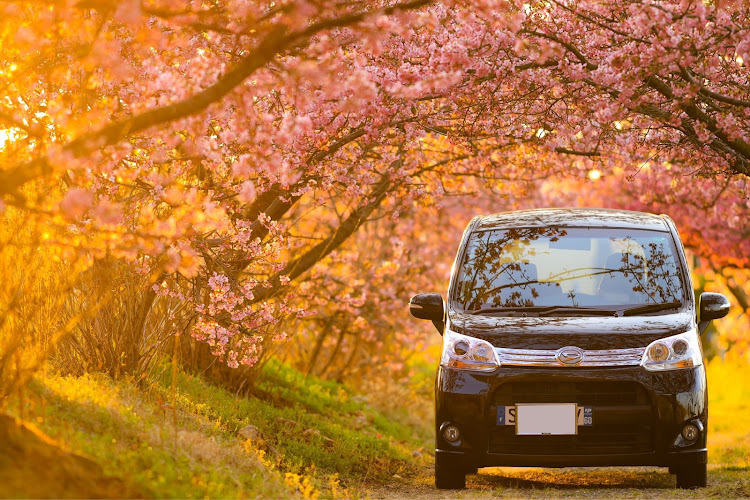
[(567, 151), (571, 48), (277, 41), (713, 95), (739, 147), (315, 254)]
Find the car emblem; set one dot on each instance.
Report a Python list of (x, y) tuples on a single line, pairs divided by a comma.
[(569, 356)]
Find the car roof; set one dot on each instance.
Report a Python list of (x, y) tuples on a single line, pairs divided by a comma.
[(572, 217)]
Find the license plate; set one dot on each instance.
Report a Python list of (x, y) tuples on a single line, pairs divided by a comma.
[(546, 419), (506, 415)]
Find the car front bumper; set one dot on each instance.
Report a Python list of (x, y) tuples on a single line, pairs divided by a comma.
[(637, 416)]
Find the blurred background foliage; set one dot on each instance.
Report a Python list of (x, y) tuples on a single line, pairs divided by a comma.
[(142, 163)]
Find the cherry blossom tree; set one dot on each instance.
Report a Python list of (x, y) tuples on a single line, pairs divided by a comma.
[(226, 149)]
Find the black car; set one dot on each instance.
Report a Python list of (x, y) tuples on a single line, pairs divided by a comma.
[(571, 337)]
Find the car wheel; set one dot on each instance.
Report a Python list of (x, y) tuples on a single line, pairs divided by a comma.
[(448, 476), (691, 476)]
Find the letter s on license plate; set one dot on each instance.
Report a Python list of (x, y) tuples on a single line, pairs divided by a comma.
[(506, 415)]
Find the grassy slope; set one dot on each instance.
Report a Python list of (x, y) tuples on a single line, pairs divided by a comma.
[(351, 449), (316, 438)]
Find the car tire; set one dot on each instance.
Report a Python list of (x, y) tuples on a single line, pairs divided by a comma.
[(449, 477), (691, 476)]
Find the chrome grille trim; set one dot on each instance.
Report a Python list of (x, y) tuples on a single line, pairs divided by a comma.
[(607, 357)]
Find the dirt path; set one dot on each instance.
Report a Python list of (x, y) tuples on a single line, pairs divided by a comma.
[(606, 482)]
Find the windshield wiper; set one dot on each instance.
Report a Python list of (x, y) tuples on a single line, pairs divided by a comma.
[(588, 311), (545, 310), (484, 310), (647, 308)]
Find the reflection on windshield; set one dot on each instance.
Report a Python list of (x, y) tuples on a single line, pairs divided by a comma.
[(573, 267)]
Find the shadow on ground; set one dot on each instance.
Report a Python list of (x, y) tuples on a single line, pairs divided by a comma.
[(604, 482), (573, 478), (32, 465)]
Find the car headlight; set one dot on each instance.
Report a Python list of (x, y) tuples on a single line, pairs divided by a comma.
[(673, 353), (468, 353)]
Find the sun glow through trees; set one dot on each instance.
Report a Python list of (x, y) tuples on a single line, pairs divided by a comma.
[(271, 165)]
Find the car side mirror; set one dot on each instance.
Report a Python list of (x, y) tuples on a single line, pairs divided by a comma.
[(429, 306), (712, 306)]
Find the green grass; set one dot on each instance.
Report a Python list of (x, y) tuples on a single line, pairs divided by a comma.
[(354, 441), (318, 439), (130, 435)]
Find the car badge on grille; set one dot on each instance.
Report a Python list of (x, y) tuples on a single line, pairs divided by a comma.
[(569, 356)]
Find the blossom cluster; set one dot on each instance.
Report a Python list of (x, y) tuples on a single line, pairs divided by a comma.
[(234, 154)]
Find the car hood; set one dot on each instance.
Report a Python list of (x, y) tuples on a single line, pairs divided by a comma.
[(586, 332)]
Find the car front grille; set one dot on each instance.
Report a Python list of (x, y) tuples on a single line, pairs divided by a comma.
[(588, 358), (622, 418), (584, 393)]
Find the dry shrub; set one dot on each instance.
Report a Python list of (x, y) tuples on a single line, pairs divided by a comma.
[(34, 284), (128, 331), (56, 302)]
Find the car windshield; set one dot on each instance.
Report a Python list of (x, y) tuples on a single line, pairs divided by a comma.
[(568, 267)]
